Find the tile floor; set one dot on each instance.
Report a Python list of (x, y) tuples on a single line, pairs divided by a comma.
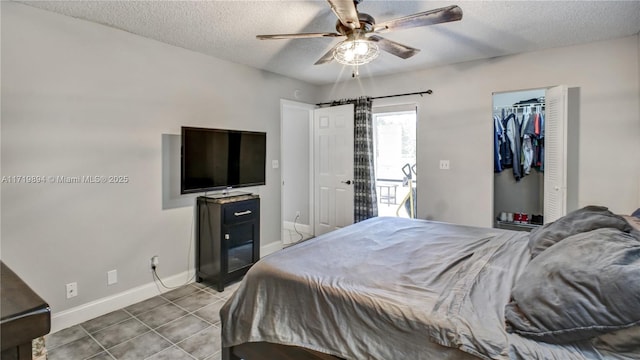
[(181, 324)]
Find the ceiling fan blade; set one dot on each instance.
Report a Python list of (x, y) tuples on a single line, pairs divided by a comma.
[(392, 47), (297, 36), (327, 57), (346, 12), (431, 17)]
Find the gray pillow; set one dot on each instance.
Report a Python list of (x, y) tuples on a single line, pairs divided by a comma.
[(582, 220), (584, 286)]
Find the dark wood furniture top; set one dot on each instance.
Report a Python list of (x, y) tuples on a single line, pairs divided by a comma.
[(24, 316)]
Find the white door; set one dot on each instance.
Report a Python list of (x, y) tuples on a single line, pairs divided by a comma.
[(555, 153), (333, 168)]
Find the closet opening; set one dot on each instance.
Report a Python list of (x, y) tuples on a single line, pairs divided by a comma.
[(519, 165)]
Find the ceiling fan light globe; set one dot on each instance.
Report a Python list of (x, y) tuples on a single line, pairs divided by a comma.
[(356, 52), (360, 48), (349, 55)]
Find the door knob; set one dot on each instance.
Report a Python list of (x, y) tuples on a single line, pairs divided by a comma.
[(348, 182)]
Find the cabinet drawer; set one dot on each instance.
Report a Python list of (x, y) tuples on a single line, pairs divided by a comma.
[(241, 211)]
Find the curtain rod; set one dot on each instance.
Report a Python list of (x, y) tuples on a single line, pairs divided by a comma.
[(387, 96)]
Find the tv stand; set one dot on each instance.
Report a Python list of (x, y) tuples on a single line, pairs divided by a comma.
[(227, 238), (229, 194)]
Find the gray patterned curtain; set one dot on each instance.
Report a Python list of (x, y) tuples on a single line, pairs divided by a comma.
[(365, 202)]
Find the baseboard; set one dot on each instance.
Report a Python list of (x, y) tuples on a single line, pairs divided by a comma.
[(303, 228), (270, 248), (79, 314)]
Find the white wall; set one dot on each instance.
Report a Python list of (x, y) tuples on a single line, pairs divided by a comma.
[(453, 123), (83, 99), (296, 161)]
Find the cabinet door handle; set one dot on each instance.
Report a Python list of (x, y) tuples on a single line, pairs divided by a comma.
[(246, 212)]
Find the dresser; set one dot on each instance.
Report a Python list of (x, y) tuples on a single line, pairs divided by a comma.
[(227, 237)]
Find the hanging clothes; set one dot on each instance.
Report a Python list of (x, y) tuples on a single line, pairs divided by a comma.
[(513, 133), (506, 157), (540, 162), (498, 133), (528, 134), (497, 167), (518, 139)]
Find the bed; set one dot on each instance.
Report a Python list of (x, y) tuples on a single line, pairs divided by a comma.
[(392, 288)]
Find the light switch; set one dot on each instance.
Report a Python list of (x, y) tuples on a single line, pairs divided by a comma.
[(275, 164)]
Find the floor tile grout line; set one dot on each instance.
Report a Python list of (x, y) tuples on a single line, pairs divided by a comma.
[(191, 285), (99, 344), (131, 316), (192, 335), (167, 339), (165, 349), (147, 310), (178, 318), (110, 325), (200, 317), (65, 343), (181, 297), (139, 335), (168, 302), (201, 307), (114, 324)]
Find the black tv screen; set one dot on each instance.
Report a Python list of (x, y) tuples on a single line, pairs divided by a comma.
[(214, 159)]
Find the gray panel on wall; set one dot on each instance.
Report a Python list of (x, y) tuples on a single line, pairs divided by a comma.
[(171, 197)]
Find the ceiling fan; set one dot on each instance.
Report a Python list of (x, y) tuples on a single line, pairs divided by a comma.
[(363, 42)]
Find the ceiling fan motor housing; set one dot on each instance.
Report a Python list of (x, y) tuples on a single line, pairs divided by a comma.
[(366, 25)]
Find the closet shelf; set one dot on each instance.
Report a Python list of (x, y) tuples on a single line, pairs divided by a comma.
[(515, 224)]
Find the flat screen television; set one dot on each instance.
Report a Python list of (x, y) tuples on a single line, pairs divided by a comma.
[(215, 159)]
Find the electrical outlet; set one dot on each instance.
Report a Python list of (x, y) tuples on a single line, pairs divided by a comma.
[(155, 260), (444, 164), (112, 277), (72, 290)]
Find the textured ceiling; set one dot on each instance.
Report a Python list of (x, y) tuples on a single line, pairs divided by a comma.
[(227, 29)]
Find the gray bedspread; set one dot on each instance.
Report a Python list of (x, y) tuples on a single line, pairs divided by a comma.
[(391, 288)]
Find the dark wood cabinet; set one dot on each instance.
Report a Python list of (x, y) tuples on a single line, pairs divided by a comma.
[(227, 238)]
